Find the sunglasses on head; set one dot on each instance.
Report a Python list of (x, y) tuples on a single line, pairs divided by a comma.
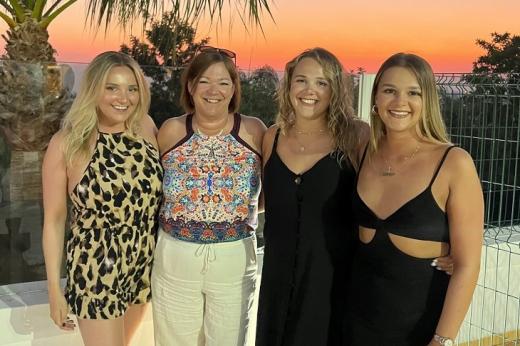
[(221, 51)]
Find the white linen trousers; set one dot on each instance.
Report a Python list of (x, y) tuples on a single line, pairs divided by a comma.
[(202, 294)]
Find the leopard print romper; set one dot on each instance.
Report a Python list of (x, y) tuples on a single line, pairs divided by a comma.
[(113, 226)]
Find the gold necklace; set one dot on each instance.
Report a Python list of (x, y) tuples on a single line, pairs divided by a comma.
[(305, 133), (389, 171), (312, 132), (301, 146), (202, 134)]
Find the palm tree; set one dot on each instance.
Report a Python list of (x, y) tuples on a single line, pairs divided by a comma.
[(27, 37), (32, 97)]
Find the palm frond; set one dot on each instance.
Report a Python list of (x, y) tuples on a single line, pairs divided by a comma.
[(52, 7), (256, 8), (29, 4), (104, 12), (7, 7), (37, 8), (10, 22), (48, 19), (18, 10)]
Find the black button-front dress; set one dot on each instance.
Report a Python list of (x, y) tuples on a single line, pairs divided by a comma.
[(308, 244)]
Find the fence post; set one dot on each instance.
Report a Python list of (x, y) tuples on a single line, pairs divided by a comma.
[(366, 80)]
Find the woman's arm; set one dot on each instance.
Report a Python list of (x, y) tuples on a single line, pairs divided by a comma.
[(54, 179), (149, 130), (252, 132), (267, 146), (465, 210)]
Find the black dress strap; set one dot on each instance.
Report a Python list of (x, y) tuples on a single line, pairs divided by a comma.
[(189, 125), (236, 124), (362, 159), (237, 118), (275, 142), (440, 164)]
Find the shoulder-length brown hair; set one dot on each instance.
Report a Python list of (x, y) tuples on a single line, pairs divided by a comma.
[(431, 126), (197, 67), (341, 121)]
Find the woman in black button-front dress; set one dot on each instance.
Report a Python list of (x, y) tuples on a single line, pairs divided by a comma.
[(308, 178)]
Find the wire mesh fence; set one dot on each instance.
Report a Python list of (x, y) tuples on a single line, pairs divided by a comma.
[(482, 115)]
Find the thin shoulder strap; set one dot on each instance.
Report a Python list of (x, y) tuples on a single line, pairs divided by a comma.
[(363, 158), (275, 142), (189, 125), (440, 164), (237, 118), (236, 124)]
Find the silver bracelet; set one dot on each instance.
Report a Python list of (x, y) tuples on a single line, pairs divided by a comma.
[(442, 340)]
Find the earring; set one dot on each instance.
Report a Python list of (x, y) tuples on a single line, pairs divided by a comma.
[(374, 110)]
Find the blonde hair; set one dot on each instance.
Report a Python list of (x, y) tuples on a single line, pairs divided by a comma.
[(81, 121), (430, 126), (199, 65), (341, 121)]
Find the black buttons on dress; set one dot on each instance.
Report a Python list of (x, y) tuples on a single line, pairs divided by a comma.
[(298, 180)]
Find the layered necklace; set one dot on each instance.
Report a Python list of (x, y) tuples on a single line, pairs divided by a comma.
[(389, 170), (302, 147)]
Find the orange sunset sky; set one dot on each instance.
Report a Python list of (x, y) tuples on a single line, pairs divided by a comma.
[(360, 33)]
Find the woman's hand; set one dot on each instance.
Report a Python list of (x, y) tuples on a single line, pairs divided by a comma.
[(443, 263), (59, 311)]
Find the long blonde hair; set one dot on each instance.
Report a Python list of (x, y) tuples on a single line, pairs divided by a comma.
[(431, 126), (81, 121), (341, 121)]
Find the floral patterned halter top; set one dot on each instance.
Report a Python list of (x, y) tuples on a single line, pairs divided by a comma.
[(211, 187)]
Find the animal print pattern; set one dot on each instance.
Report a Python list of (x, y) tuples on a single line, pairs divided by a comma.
[(113, 227)]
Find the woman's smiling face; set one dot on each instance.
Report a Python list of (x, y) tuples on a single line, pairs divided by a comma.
[(310, 90), (213, 91), (399, 100)]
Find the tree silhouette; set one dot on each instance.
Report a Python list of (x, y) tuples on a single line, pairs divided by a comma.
[(259, 94), (171, 45)]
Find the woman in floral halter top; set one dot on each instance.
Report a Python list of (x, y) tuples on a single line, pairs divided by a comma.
[(204, 272)]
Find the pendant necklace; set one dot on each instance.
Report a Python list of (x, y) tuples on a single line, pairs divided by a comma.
[(389, 171), (305, 133)]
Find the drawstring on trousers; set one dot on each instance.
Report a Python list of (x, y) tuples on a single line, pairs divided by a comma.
[(208, 251)]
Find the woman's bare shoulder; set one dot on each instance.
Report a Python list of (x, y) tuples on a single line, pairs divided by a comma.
[(171, 131), (57, 141), (267, 143)]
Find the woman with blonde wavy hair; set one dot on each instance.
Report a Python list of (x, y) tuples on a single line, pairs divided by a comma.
[(417, 197), (309, 159), (105, 159)]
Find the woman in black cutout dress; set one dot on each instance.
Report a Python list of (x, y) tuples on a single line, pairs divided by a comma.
[(397, 298), (308, 180)]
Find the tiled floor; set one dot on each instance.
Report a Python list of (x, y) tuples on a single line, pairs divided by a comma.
[(24, 319)]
